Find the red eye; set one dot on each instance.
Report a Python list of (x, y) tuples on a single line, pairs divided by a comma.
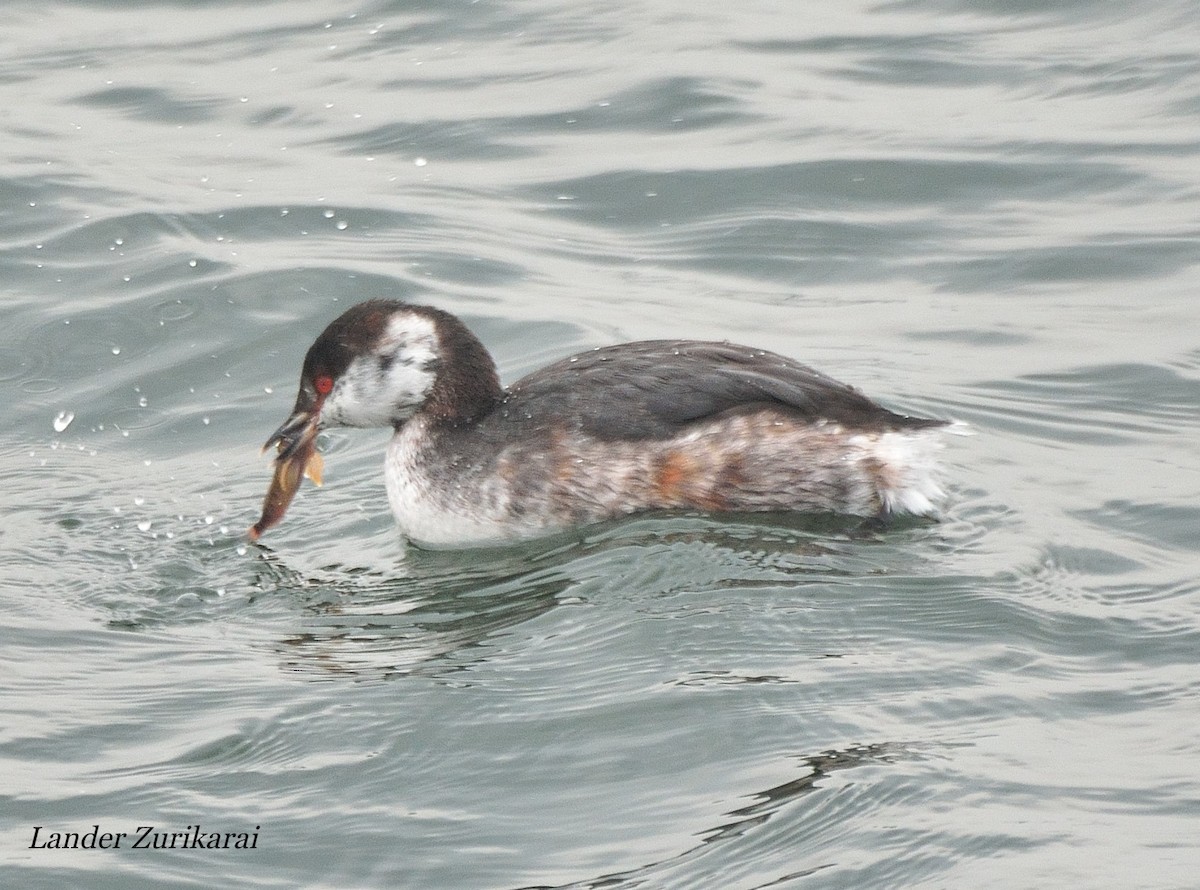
[(323, 384)]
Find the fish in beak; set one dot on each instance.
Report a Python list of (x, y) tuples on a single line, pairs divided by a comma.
[(296, 456)]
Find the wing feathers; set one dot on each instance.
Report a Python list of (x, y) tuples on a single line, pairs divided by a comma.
[(654, 388)]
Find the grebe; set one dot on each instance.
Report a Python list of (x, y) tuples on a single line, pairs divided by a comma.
[(653, 425)]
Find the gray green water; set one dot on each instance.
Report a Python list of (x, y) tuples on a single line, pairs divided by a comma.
[(972, 210)]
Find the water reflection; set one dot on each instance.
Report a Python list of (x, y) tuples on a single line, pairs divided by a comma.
[(416, 626), (434, 612), (685, 867)]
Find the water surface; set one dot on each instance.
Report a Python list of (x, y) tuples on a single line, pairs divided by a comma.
[(980, 213)]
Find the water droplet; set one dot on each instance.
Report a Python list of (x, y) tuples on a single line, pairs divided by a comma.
[(144, 525), (268, 390), (138, 501), (142, 402), (328, 214), (116, 350), (341, 224), (63, 420), (420, 162), (205, 421), (241, 550), (192, 263), (208, 520)]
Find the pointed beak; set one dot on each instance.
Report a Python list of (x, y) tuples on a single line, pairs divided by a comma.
[(292, 433), (296, 443)]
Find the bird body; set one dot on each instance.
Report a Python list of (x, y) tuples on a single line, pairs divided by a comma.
[(651, 425)]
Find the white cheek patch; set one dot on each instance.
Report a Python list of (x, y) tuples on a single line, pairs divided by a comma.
[(386, 385)]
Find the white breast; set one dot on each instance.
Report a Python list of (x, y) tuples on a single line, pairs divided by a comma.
[(443, 511)]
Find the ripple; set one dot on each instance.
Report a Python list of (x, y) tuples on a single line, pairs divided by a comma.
[(1160, 525), (87, 338), (152, 104), (829, 183), (175, 310), (15, 364), (1103, 259), (450, 140), (1104, 404), (40, 385), (923, 192)]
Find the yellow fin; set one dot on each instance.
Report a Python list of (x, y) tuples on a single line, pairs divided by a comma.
[(315, 467)]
